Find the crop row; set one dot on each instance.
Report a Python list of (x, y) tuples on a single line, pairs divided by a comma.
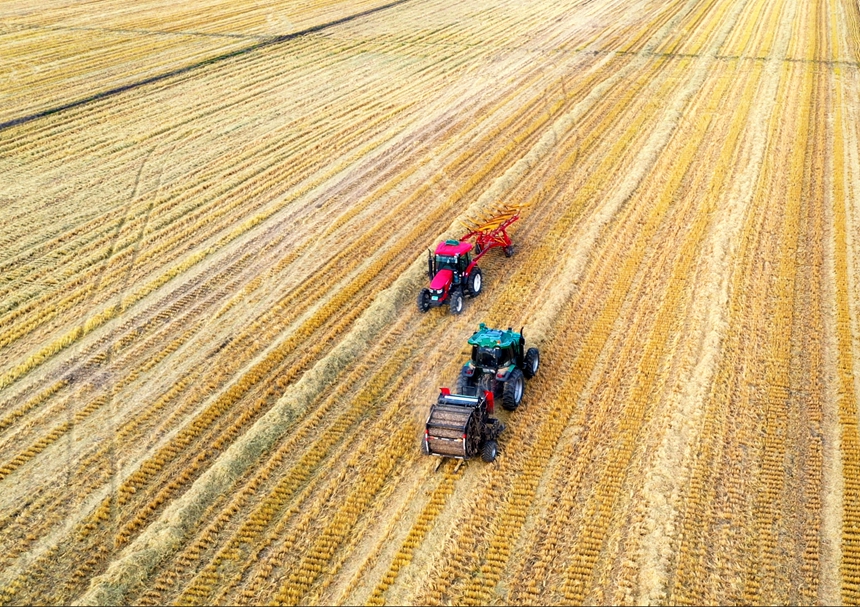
[(321, 436), (731, 401), (602, 497), (416, 534), (376, 459), (669, 497), (763, 578), (847, 398), (807, 333), (323, 440), (68, 49), (367, 439), (652, 372), (205, 425), (777, 373), (45, 62), (218, 214)]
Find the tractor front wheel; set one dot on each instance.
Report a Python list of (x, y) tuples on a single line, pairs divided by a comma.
[(531, 363), (456, 302), (476, 282), (513, 391), (424, 300), (490, 451)]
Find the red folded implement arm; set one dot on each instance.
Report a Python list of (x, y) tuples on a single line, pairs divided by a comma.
[(492, 233)]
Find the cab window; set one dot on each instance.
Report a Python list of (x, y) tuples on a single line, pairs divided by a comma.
[(446, 262), (487, 357)]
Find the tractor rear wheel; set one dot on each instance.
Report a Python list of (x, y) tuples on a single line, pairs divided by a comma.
[(531, 363), (456, 302), (424, 300), (490, 451), (513, 391), (476, 282)]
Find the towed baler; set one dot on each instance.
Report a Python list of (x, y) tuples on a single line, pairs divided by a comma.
[(462, 427)]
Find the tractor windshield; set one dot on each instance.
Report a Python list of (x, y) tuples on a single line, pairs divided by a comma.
[(487, 357), (446, 262)]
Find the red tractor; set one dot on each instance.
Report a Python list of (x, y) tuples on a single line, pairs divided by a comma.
[(454, 272)]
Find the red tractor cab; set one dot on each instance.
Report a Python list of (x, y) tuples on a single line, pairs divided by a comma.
[(453, 270)]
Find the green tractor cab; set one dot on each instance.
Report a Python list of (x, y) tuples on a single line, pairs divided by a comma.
[(500, 364)]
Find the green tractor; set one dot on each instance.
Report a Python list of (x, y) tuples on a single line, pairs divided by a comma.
[(500, 364)]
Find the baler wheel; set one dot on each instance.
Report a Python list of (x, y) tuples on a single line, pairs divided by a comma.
[(509, 250), (491, 449)]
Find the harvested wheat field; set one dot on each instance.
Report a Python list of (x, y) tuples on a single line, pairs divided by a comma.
[(213, 373)]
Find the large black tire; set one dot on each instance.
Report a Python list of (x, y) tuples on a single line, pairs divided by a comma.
[(455, 301), (476, 282), (466, 384), (490, 451), (531, 363), (513, 391), (424, 300)]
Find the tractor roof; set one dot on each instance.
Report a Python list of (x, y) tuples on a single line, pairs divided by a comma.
[(453, 247), (490, 338)]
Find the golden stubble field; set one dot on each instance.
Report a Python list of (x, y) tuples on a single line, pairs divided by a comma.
[(213, 375)]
